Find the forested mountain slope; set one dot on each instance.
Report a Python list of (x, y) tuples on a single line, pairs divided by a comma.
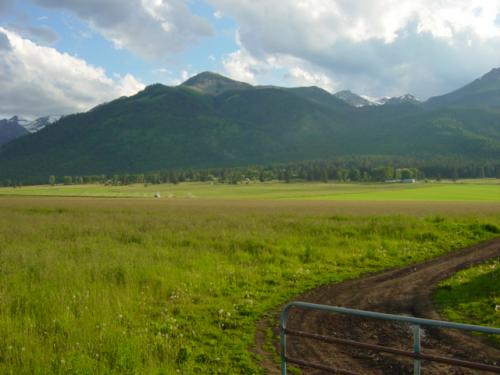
[(213, 121)]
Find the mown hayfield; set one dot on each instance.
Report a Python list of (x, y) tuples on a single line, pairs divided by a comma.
[(470, 190), (177, 285)]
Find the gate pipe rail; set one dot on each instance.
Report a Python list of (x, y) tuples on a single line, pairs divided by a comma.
[(416, 324)]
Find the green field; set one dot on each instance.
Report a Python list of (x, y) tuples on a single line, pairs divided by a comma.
[(470, 190), (473, 296), (129, 285)]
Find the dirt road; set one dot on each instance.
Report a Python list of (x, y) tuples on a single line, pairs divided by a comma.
[(402, 291)]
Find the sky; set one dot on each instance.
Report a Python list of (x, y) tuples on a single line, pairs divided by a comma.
[(64, 56)]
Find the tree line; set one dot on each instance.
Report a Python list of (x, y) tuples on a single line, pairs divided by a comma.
[(343, 170), (306, 171)]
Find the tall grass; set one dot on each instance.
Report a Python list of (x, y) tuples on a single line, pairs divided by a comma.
[(473, 296), (99, 287)]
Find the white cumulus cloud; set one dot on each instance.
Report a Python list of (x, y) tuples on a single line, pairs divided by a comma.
[(301, 77), (385, 47), (149, 28), (38, 80), (241, 66)]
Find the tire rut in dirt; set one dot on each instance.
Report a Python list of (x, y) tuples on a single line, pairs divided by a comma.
[(406, 291)]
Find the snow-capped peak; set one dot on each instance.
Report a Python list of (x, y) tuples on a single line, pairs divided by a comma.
[(353, 99), (18, 120), (407, 98), (39, 123)]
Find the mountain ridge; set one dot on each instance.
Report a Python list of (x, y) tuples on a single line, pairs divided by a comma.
[(214, 121), (353, 99), (11, 129), (482, 92), (213, 83)]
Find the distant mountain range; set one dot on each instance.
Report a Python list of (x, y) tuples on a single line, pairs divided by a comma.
[(213, 121), (39, 123), (16, 127), (353, 99), (358, 101), (11, 129)]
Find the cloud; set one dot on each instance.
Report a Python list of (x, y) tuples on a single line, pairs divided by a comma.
[(4, 42), (374, 47), (185, 75), (241, 66), (38, 34), (301, 77), (152, 29), (38, 80)]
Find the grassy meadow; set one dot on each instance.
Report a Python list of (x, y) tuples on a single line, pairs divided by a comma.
[(467, 190), (473, 296), (165, 286)]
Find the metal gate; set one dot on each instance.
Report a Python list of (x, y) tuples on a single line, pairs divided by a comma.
[(416, 324)]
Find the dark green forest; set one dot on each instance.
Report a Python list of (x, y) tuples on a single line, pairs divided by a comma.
[(354, 169)]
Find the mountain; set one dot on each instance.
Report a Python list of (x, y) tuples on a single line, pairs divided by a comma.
[(404, 99), (353, 99), (213, 121), (11, 129), (214, 84), (16, 126), (358, 101), (483, 92), (39, 123), (319, 96)]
